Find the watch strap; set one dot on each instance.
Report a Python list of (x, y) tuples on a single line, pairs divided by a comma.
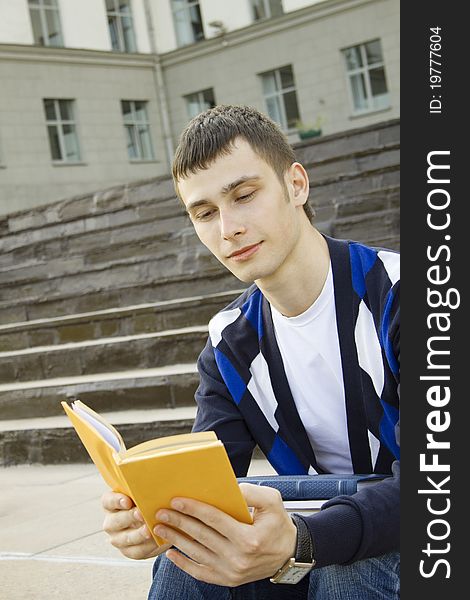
[(304, 552), (297, 567)]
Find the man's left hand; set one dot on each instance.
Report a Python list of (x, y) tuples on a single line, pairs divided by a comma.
[(223, 551)]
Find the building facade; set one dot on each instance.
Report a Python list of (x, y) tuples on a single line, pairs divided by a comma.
[(95, 93)]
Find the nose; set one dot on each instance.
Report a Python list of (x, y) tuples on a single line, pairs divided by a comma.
[(230, 226)]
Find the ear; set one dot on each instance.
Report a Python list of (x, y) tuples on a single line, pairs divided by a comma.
[(298, 184)]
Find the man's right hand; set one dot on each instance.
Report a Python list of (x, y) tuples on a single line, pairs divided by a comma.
[(126, 528)]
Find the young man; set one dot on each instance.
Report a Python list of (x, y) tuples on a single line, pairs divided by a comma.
[(305, 364)]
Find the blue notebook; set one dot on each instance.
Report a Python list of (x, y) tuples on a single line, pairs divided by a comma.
[(314, 487)]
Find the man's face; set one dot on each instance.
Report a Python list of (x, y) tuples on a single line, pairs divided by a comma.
[(243, 214)]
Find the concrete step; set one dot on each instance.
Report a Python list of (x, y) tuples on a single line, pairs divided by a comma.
[(175, 266), (376, 229), (89, 251), (112, 209), (43, 300), (106, 323), (53, 440), (161, 387), (354, 142), (142, 351)]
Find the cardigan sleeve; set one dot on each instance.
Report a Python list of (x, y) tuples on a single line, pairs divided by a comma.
[(217, 411)]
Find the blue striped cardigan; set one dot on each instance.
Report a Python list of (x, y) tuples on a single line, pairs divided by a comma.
[(245, 398)]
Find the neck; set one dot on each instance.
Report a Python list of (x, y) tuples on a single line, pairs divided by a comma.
[(300, 279)]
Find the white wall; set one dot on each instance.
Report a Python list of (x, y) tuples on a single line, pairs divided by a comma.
[(84, 24), (15, 24), (290, 5), (140, 26), (164, 30), (233, 15)]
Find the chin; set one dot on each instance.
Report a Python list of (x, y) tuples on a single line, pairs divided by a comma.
[(251, 275), (243, 277)]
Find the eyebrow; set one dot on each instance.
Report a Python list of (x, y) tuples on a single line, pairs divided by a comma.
[(225, 190), (234, 184)]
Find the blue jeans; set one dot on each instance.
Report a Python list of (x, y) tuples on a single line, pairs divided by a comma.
[(370, 579)]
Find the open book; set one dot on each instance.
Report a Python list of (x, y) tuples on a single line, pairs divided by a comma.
[(191, 465)]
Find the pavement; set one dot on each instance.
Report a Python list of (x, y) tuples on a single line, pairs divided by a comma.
[(51, 541)]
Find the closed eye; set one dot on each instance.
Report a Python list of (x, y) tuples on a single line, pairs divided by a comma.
[(246, 196), (204, 215)]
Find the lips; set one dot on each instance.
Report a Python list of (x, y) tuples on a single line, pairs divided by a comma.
[(245, 252)]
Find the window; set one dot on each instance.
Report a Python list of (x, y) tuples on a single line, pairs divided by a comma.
[(199, 102), (366, 75), (137, 126), (280, 96), (62, 130), (120, 25), (45, 22), (188, 21), (265, 9)]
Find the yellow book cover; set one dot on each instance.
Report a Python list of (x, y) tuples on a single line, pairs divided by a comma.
[(191, 465)]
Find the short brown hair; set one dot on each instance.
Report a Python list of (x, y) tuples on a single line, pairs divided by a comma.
[(212, 133)]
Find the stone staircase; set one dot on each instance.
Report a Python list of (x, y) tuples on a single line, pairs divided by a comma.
[(106, 297), (143, 381)]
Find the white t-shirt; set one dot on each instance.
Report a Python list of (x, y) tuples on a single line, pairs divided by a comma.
[(309, 347)]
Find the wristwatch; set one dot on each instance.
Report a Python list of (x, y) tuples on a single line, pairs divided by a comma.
[(303, 562)]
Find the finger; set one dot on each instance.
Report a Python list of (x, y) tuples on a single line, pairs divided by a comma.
[(138, 516), (192, 528), (218, 521), (192, 548), (260, 497), (115, 501), (138, 552), (200, 572), (120, 520), (132, 537)]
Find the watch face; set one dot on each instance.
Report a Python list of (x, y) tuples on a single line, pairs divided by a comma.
[(295, 574), (292, 572)]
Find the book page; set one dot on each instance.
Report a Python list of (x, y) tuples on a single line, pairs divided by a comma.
[(295, 505), (171, 442), (105, 433)]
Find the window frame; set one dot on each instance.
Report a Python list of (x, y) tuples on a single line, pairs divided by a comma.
[(267, 10), (279, 93), (186, 10), (200, 100), (58, 123), (40, 9), (365, 71), (135, 123), (118, 16)]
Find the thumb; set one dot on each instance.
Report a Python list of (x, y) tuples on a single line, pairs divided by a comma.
[(260, 497)]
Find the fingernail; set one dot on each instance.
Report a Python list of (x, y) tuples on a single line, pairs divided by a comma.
[(137, 515), (145, 532), (177, 504), (160, 531), (162, 517), (123, 502)]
